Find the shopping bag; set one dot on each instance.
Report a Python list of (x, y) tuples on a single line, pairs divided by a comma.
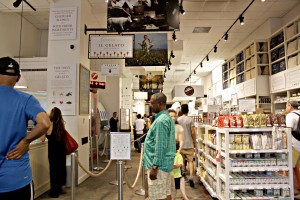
[(71, 144)]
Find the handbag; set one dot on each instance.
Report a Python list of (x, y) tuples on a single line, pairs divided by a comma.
[(71, 144)]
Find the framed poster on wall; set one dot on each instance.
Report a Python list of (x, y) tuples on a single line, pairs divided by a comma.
[(84, 90)]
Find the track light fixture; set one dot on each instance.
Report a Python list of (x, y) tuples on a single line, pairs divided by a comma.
[(165, 69), (169, 67), (215, 49), (174, 37), (181, 10), (226, 37), (172, 54), (165, 76), (241, 18), (194, 71), (170, 64), (18, 2)]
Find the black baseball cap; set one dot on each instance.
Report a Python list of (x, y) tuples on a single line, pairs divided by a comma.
[(8, 64)]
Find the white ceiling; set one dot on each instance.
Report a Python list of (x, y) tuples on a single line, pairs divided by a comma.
[(217, 14)]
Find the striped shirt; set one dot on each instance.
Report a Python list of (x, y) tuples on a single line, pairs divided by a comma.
[(160, 144)]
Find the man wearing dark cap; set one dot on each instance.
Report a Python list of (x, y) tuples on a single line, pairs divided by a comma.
[(16, 109), (292, 122)]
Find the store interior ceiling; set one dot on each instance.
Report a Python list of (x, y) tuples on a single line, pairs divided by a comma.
[(191, 48)]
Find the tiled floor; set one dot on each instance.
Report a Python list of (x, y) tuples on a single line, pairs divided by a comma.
[(98, 188)]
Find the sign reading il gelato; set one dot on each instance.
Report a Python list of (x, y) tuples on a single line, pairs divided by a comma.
[(110, 46)]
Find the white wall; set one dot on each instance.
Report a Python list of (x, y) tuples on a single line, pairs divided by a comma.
[(10, 36)]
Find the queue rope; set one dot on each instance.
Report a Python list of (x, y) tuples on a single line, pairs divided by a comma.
[(90, 173), (138, 174), (139, 138)]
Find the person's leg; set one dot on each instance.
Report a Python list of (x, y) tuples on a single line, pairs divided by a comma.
[(24, 193), (190, 159), (182, 188), (296, 175), (173, 190)]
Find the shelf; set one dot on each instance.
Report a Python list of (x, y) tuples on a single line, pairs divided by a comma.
[(211, 159), (261, 52), (223, 154), (278, 46), (211, 145), (258, 151), (292, 38), (234, 130), (295, 52), (278, 60), (222, 177), (250, 69), (259, 169), (211, 173), (254, 187), (200, 140), (208, 188)]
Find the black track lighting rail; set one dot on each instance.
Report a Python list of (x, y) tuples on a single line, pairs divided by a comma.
[(225, 36)]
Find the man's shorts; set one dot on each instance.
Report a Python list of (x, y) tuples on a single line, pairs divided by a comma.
[(161, 187), (188, 154), (296, 155)]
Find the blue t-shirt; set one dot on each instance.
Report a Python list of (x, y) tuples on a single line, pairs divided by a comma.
[(16, 108)]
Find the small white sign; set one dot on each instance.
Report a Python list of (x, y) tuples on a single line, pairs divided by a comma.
[(247, 105), (120, 146), (63, 23), (110, 69), (140, 95)]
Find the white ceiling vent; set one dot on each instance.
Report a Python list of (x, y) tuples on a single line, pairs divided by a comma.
[(201, 29)]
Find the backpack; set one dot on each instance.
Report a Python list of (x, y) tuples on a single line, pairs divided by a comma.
[(296, 133)]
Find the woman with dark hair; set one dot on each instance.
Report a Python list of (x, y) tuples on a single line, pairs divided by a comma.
[(57, 153)]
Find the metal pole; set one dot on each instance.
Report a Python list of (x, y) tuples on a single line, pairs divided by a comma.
[(120, 179), (116, 182), (91, 153), (106, 146), (72, 175), (97, 168), (141, 191)]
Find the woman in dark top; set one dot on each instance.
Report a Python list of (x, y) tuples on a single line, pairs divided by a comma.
[(57, 153)]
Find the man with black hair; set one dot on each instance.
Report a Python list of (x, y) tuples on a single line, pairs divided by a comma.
[(139, 126), (16, 109), (188, 149), (159, 150), (113, 123)]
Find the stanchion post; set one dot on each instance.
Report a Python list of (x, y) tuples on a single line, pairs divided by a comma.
[(72, 175), (120, 179), (141, 191)]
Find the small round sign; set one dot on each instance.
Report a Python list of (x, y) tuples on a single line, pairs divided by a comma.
[(189, 90)]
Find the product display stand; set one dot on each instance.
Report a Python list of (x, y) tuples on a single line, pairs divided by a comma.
[(237, 171)]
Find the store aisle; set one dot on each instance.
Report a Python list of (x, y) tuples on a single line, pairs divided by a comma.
[(99, 188)]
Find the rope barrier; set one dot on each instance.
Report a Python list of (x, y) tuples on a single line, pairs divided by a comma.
[(90, 173), (138, 174), (139, 138)]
